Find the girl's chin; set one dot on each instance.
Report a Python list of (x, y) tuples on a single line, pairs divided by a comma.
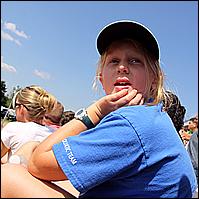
[(119, 88)]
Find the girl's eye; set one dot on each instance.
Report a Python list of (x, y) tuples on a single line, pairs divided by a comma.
[(114, 61), (134, 61)]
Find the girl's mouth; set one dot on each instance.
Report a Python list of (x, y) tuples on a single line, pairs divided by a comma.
[(122, 83)]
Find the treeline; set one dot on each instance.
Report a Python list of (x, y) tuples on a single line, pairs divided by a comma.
[(6, 98)]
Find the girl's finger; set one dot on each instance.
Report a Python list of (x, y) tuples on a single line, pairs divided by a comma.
[(136, 100), (119, 95), (141, 101), (126, 99)]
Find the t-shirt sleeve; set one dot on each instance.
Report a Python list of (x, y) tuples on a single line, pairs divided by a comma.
[(98, 154)]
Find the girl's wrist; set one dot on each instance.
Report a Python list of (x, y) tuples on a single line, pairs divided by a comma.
[(94, 113)]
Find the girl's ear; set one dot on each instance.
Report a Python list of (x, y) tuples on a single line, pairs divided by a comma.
[(101, 80), (153, 85), (154, 82)]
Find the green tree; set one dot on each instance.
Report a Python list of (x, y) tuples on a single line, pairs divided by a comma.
[(6, 99)]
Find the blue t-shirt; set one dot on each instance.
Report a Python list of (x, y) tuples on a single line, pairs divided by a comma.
[(134, 151)]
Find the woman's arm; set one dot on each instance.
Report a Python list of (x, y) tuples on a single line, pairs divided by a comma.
[(4, 153), (4, 149), (43, 163)]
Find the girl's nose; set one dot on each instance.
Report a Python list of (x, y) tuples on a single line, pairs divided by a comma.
[(122, 69)]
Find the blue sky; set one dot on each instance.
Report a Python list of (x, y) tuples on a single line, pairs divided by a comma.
[(52, 44)]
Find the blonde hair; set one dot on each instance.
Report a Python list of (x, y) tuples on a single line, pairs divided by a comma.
[(37, 101), (157, 92)]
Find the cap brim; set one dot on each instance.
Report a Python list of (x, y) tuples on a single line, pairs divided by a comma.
[(127, 29)]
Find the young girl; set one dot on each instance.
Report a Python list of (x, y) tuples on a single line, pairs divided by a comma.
[(133, 151)]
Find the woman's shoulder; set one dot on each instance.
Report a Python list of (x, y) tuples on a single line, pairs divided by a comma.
[(17, 124), (21, 125), (11, 125), (40, 128)]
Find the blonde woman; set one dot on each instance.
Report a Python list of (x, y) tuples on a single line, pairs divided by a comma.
[(132, 152), (31, 104)]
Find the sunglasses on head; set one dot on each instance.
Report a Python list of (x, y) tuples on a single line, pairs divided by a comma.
[(18, 104)]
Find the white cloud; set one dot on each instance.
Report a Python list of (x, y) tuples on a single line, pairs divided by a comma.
[(13, 28), (17, 42), (8, 37), (10, 26), (41, 74), (7, 67)]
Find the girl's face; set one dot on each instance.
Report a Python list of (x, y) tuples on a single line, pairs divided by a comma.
[(124, 69)]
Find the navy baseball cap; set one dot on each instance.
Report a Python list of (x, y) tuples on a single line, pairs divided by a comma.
[(127, 29)]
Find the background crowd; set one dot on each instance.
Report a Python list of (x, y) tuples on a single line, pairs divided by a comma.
[(189, 127)]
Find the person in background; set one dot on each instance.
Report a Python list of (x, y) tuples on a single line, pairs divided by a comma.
[(50, 119), (175, 111), (193, 125), (192, 148), (31, 104), (184, 134), (89, 150), (54, 117), (66, 117), (54, 120), (189, 129)]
